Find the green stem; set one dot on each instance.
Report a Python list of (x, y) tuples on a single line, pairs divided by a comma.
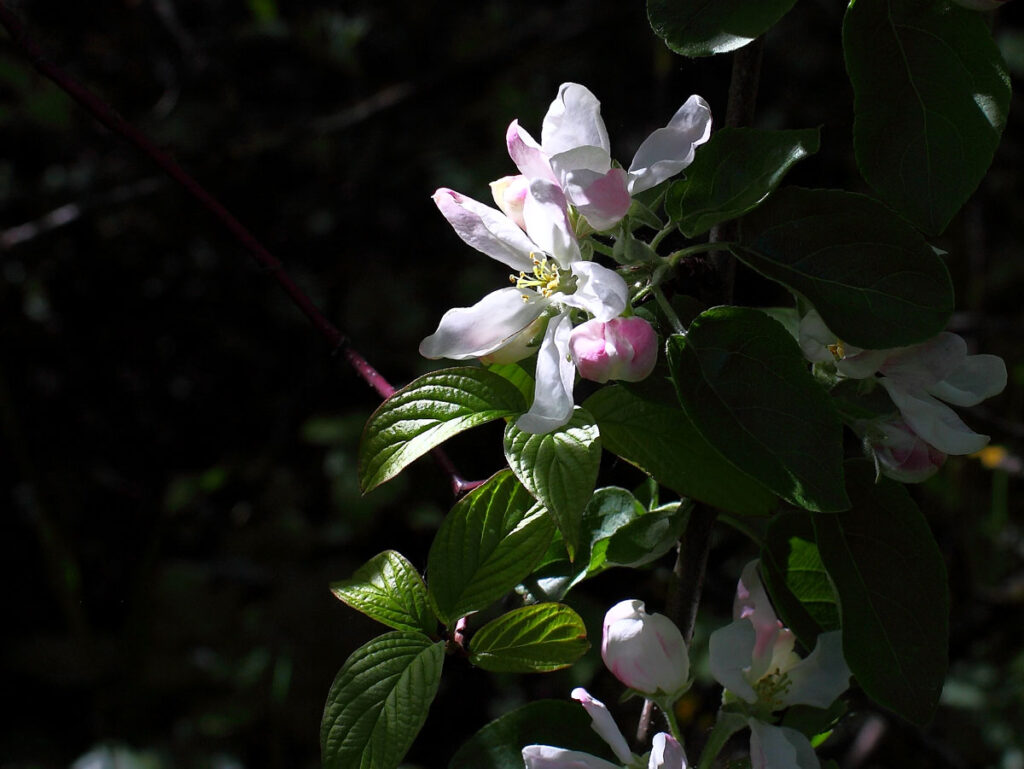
[(725, 727), (601, 248), (673, 722), (677, 325), (662, 234), (700, 248)]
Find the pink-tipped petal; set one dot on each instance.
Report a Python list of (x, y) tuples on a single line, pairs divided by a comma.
[(552, 395), (603, 723), (547, 222), (490, 324), (669, 150), (486, 229), (528, 156)]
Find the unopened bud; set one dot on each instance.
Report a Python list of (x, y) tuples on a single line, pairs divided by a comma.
[(509, 192), (621, 348), (901, 453), (645, 651)]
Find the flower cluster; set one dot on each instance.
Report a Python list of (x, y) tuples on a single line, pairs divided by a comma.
[(568, 174), (921, 380)]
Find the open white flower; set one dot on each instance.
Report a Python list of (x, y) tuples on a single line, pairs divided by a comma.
[(574, 152), (551, 278), (753, 659)]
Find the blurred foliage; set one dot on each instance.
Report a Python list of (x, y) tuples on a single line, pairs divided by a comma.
[(179, 446)]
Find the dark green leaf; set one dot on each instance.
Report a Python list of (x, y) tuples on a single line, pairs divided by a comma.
[(426, 413), (379, 701), (559, 468), (872, 277), (706, 27), (547, 722), (645, 426), (733, 173), (891, 581), (389, 589), (645, 539), (931, 95), (489, 541), (796, 578), (743, 381), (538, 638)]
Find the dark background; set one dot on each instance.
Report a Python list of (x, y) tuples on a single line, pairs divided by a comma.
[(177, 444)]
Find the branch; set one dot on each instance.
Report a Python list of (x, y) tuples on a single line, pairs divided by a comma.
[(106, 115)]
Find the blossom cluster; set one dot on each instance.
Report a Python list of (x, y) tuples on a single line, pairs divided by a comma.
[(567, 187)]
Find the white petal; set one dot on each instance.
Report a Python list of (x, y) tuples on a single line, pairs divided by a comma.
[(921, 366), (555, 375), (822, 676), (547, 222), (491, 323), (779, 747), (548, 757), (486, 229), (585, 158), (934, 421), (666, 753), (730, 649), (669, 150), (604, 724), (600, 291), (573, 120), (815, 338), (527, 154), (977, 378), (602, 198)]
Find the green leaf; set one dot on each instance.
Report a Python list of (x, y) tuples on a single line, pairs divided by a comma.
[(796, 578), (379, 701), (891, 581), (517, 375), (733, 173), (645, 539), (702, 27), (538, 638), (743, 381), (390, 590), (559, 468), (489, 541), (931, 95), (872, 277), (547, 722), (426, 413), (644, 427)]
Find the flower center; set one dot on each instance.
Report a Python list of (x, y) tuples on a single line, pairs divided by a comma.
[(837, 350), (771, 687), (546, 278)]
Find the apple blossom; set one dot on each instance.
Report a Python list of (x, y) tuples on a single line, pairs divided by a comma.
[(509, 193), (552, 279), (625, 349), (666, 752), (753, 659), (900, 453), (645, 651), (574, 152)]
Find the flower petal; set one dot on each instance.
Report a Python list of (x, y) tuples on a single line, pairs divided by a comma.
[(486, 229), (547, 222), (573, 120), (602, 198), (527, 154), (600, 291), (555, 375), (779, 747), (669, 150), (729, 650), (604, 724), (491, 323), (921, 366), (822, 676), (549, 757), (933, 420), (666, 753), (977, 378)]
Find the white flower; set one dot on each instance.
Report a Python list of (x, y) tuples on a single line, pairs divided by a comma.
[(753, 659), (645, 651), (900, 453), (574, 152), (552, 279), (666, 752)]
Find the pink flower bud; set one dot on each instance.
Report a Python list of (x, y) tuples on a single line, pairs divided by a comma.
[(901, 453), (620, 348), (509, 192), (645, 651)]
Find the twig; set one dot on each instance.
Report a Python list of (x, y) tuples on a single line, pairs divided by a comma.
[(105, 114)]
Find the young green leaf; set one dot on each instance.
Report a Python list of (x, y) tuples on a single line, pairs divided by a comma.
[(645, 426), (531, 639), (931, 95), (891, 581), (489, 541), (390, 590), (702, 28), (872, 277), (379, 701), (426, 413), (733, 173), (559, 468), (745, 384), (499, 745)]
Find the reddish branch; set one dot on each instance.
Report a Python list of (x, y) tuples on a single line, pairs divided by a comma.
[(106, 115)]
